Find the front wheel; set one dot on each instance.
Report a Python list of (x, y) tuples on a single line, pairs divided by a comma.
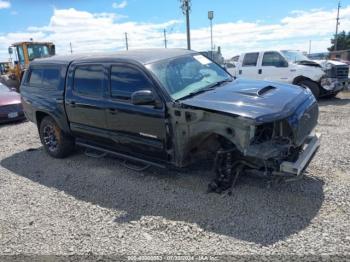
[(56, 143), (312, 86), (331, 95)]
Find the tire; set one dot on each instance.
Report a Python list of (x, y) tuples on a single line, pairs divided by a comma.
[(56, 143), (313, 86)]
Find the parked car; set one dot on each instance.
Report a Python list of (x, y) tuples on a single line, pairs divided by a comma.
[(10, 105), (231, 67), (170, 108), (324, 78), (215, 56)]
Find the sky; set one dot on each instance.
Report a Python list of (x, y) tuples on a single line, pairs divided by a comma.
[(238, 26)]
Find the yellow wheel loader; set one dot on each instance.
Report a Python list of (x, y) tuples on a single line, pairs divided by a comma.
[(24, 53)]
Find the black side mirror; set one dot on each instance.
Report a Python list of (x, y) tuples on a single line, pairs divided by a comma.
[(53, 50), (284, 64), (143, 98)]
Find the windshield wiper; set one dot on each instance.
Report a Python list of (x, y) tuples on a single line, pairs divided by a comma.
[(207, 88), (219, 83)]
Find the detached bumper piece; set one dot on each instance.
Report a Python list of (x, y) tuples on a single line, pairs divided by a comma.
[(296, 168), (334, 84)]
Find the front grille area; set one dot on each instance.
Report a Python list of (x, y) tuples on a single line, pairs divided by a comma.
[(306, 124), (10, 109), (342, 71), (338, 71)]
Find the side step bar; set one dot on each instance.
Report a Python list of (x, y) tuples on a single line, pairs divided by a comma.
[(120, 155), (305, 157)]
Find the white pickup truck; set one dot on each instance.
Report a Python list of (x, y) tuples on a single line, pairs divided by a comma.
[(324, 78)]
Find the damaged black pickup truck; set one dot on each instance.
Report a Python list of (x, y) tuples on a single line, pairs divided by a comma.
[(170, 107)]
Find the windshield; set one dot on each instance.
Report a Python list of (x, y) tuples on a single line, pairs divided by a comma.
[(184, 75), (319, 56), (295, 56), (37, 51)]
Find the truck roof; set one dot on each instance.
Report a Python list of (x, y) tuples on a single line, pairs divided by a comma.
[(32, 43), (143, 56)]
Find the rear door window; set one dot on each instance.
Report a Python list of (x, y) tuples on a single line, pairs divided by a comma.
[(125, 81), (88, 80), (250, 59)]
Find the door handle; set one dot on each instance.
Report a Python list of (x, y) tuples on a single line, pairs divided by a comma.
[(112, 111), (59, 100), (260, 71), (71, 103)]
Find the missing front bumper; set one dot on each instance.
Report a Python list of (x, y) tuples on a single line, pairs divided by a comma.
[(296, 168)]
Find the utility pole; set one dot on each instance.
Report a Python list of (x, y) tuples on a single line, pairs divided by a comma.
[(165, 40), (71, 49), (186, 8), (336, 29), (211, 17), (126, 41), (310, 42)]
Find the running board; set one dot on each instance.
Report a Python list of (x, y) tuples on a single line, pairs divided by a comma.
[(126, 157)]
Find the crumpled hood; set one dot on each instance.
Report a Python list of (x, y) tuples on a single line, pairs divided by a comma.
[(308, 63), (258, 100), (332, 62)]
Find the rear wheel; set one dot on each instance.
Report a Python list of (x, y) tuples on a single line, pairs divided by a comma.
[(312, 86), (56, 143)]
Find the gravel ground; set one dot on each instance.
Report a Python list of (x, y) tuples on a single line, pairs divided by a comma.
[(81, 205)]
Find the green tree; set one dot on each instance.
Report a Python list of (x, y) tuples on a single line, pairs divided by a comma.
[(343, 41)]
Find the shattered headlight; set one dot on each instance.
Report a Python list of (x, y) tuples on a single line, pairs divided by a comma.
[(328, 66)]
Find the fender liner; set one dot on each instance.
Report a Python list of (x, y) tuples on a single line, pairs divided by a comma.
[(298, 79), (40, 114)]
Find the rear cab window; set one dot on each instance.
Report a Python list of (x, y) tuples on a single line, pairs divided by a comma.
[(44, 77), (250, 59), (88, 80)]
